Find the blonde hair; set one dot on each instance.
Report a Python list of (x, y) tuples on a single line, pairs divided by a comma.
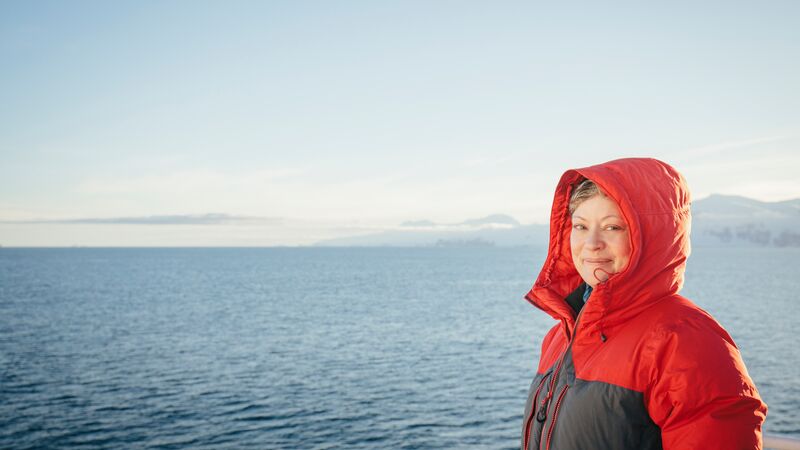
[(585, 190)]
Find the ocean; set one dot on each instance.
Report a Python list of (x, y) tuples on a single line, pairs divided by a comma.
[(317, 348)]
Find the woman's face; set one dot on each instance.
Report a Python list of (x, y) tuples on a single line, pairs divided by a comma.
[(600, 240)]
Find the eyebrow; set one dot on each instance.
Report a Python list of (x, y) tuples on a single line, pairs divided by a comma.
[(604, 218)]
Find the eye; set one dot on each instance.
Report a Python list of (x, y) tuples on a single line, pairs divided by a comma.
[(613, 227), (578, 226)]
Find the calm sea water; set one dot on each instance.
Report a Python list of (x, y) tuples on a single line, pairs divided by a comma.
[(319, 347)]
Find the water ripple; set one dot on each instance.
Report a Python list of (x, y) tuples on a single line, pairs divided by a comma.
[(311, 348)]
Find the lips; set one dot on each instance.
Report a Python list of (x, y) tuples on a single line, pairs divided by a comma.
[(596, 260)]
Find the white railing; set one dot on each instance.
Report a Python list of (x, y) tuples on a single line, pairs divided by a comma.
[(780, 442)]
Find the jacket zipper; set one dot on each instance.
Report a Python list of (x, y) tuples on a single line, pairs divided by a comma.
[(555, 415), (529, 421), (539, 389), (541, 416), (540, 411)]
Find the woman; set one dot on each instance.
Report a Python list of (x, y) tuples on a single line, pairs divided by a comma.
[(631, 364)]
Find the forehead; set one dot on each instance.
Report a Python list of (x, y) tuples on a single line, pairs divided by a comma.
[(597, 206)]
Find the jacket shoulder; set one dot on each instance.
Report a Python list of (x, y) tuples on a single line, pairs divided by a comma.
[(554, 342), (677, 317)]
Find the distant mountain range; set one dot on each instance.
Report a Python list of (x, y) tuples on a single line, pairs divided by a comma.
[(494, 230), (742, 221), (718, 220)]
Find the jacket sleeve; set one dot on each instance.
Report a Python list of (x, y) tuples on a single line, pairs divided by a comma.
[(701, 395)]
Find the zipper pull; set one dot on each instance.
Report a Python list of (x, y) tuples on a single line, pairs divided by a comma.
[(541, 416)]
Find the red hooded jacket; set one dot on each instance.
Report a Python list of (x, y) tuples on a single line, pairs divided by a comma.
[(640, 367)]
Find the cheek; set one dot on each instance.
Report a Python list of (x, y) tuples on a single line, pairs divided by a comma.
[(623, 251), (574, 245), (573, 249)]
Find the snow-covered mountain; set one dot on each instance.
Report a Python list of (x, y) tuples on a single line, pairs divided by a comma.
[(493, 230), (718, 220), (742, 221)]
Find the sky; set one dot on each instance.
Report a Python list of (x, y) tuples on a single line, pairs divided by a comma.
[(189, 123)]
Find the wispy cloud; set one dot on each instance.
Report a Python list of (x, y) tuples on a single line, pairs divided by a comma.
[(189, 219), (186, 181), (707, 150)]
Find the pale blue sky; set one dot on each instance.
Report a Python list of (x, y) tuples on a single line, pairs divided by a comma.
[(343, 117)]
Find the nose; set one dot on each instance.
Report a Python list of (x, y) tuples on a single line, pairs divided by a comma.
[(594, 240)]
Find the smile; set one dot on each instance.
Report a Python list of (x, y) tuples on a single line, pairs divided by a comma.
[(596, 261)]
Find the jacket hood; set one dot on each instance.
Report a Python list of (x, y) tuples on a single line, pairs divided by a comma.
[(654, 201)]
